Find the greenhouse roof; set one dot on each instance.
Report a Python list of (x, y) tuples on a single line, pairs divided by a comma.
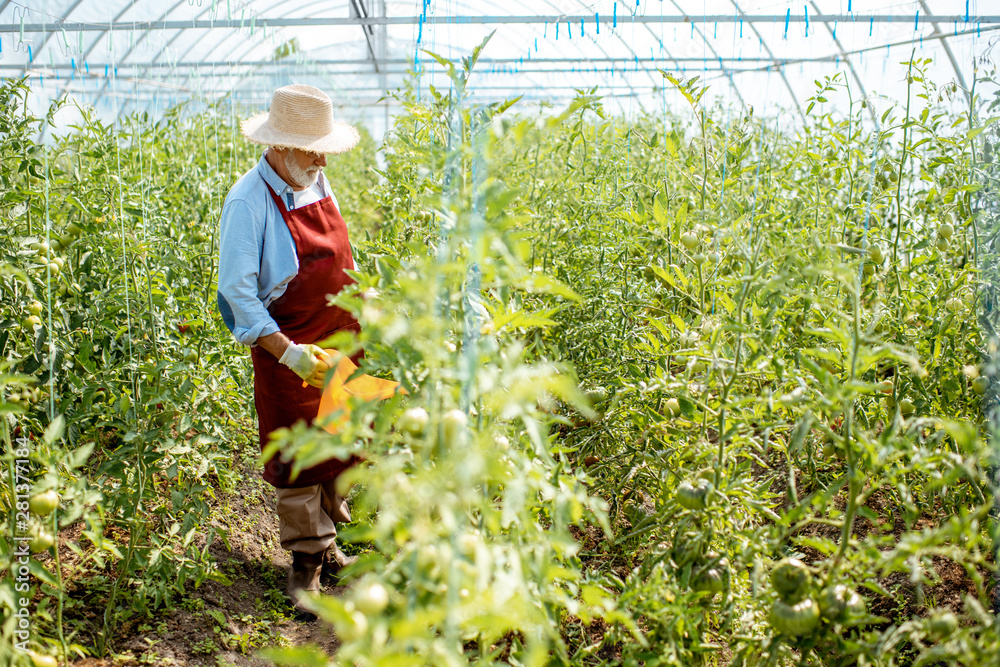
[(122, 55)]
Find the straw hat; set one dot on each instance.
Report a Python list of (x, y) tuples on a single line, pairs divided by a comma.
[(301, 117)]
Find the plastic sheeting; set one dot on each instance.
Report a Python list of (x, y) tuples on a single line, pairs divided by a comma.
[(122, 55)]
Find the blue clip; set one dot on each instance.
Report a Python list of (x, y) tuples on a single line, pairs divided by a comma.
[(597, 22), (788, 17), (581, 26), (966, 11), (31, 58), (806, 9), (871, 26), (614, 22), (916, 21)]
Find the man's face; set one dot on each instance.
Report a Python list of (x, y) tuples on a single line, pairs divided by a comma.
[(304, 166)]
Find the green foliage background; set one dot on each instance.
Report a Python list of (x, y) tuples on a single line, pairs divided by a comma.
[(618, 309)]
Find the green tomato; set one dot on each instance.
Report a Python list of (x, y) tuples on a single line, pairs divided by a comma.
[(869, 270), (31, 321), (35, 307), (699, 258), (906, 407), (954, 304), (694, 495), (714, 257), (42, 249), (73, 229), (191, 356), (710, 580), (942, 624), (875, 253), (41, 660), (44, 503), (54, 268), (372, 599), (791, 579), (354, 627), (941, 244), (55, 246), (454, 423), (41, 541), (66, 239), (689, 240), (980, 385), (414, 421), (945, 231), (673, 406), (597, 395), (686, 549), (794, 620), (839, 601)]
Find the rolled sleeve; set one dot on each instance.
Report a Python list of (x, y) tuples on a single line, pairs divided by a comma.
[(241, 242)]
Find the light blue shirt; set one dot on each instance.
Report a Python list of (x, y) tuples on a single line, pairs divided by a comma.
[(257, 255)]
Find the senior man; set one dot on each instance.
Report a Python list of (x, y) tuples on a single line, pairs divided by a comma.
[(283, 248)]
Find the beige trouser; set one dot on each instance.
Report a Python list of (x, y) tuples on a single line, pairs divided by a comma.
[(308, 516)]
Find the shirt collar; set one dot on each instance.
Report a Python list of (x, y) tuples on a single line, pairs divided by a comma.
[(277, 183)]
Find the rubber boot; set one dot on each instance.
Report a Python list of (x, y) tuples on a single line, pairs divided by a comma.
[(304, 576), (335, 560)]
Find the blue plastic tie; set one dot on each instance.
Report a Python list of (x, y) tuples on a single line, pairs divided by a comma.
[(806, 9), (86, 66), (966, 11), (536, 45), (692, 30), (72, 63), (741, 28), (30, 57), (569, 29), (871, 26), (848, 6), (916, 21), (597, 22), (835, 30), (788, 17), (716, 33), (106, 71), (557, 30), (581, 26), (979, 30), (614, 21)]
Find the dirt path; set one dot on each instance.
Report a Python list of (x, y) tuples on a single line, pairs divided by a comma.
[(222, 625)]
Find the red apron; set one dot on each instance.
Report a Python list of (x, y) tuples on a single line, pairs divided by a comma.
[(303, 315)]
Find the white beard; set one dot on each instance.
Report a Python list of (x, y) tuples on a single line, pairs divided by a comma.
[(302, 177)]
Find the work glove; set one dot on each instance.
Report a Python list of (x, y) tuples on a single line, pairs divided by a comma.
[(309, 362)]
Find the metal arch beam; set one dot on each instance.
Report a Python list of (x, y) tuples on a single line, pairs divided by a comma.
[(781, 70), (850, 66), (947, 51), (497, 20)]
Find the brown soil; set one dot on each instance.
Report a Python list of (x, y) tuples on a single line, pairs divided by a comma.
[(218, 624)]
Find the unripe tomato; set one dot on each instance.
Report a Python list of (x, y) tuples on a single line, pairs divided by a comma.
[(699, 258), (44, 503), (673, 406), (906, 407), (41, 541), (597, 395), (31, 322), (794, 620), (941, 244), (791, 579), (714, 257), (954, 304), (353, 629), (869, 270), (42, 249), (454, 423), (59, 261), (945, 231), (191, 356), (66, 239), (414, 421), (35, 307), (686, 549), (885, 386), (372, 599), (694, 495), (838, 601), (40, 660), (875, 253), (689, 240), (942, 624), (54, 268), (55, 245), (980, 385), (73, 229), (710, 580)]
